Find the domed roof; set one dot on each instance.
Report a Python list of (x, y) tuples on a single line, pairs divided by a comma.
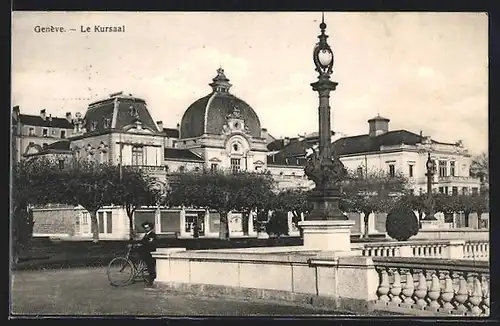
[(207, 115)]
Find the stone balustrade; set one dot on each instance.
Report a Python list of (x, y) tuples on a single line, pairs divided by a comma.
[(340, 280), (477, 250), (446, 249), (458, 287)]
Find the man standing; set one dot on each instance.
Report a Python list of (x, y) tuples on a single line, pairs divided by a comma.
[(148, 245)]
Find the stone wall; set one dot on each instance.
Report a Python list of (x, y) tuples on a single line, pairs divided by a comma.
[(49, 221)]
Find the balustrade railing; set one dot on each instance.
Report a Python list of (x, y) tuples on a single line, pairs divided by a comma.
[(446, 249), (458, 287), (477, 250)]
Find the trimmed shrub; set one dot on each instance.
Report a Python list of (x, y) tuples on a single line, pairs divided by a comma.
[(401, 223)]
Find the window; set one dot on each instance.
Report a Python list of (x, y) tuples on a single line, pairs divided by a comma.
[(235, 164), (420, 191), (360, 171), (197, 169), (213, 167), (454, 191), (412, 192), (392, 170), (137, 155), (85, 219), (474, 190), (410, 170), (105, 220), (63, 133), (452, 168), (446, 190), (181, 168), (31, 131), (61, 164), (44, 145), (441, 190), (53, 132), (442, 168), (465, 190), (45, 132)]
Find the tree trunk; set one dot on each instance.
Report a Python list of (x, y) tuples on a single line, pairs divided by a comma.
[(420, 217), (131, 231), (94, 226), (466, 219), (223, 226), (366, 219)]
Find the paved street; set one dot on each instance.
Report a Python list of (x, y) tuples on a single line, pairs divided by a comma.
[(87, 292)]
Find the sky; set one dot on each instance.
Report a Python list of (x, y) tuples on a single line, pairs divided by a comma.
[(424, 71)]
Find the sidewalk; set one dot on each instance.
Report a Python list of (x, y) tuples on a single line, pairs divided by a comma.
[(86, 291)]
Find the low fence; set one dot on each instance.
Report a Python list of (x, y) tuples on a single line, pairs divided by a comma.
[(343, 282), (446, 249), (441, 286)]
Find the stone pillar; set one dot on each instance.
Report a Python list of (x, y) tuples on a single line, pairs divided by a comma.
[(334, 235), (454, 250), (358, 281), (250, 223), (206, 223), (182, 216)]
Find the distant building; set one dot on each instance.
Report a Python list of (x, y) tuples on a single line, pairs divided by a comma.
[(222, 131), (33, 133)]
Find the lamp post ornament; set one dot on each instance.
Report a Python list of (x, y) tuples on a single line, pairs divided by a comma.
[(429, 202), (323, 166)]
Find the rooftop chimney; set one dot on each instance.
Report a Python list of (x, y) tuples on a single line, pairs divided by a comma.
[(378, 125), (43, 114), (160, 125), (68, 117), (421, 136), (15, 111), (286, 141), (50, 117), (178, 126), (263, 133)]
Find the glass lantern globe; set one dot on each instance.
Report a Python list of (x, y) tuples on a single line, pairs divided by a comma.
[(429, 165), (325, 57)]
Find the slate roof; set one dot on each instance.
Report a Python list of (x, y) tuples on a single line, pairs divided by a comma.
[(351, 145), (207, 115), (36, 120), (59, 145), (214, 108), (171, 132), (101, 114), (181, 154)]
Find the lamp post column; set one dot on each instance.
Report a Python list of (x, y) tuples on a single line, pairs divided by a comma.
[(325, 227), (429, 200)]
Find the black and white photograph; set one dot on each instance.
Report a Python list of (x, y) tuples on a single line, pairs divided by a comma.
[(272, 164)]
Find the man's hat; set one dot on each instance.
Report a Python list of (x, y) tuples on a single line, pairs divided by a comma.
[(149, 224)]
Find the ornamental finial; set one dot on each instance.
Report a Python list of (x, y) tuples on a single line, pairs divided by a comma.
[(322, 25)]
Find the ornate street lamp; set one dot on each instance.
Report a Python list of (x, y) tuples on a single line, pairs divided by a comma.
[(324, 166), (429, 202), (325, 227)]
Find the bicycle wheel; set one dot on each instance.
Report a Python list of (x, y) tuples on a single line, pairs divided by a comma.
[(143, 271), (120, 271)]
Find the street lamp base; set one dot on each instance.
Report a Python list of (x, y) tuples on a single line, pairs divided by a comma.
[(330, 235)]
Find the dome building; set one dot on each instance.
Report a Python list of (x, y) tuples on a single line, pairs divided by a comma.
[(223, 130)]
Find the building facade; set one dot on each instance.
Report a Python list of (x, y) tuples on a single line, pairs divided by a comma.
[(222, 131)]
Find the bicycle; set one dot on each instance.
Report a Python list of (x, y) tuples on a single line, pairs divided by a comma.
[(124, 270)]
